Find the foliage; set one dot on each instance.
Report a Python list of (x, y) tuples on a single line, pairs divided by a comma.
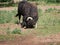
[(51, 10), (5, 0), (16, 31), (51, 1)]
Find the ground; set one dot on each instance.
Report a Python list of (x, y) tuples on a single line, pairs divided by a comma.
[(30, 39)]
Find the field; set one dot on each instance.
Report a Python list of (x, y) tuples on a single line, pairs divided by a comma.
[(47, 32)]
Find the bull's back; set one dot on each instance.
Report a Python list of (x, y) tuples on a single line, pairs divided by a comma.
[(24, 8)]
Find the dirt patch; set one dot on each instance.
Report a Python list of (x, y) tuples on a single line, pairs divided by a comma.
[(46, 7), (39, 7), (34, 40), (8, 8)]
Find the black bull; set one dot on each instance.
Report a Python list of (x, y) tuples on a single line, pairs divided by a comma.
[(29, 13)]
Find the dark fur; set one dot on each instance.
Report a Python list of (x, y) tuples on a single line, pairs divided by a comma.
[(27, 9)]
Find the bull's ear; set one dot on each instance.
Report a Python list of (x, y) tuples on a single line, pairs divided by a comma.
[(29, 18)]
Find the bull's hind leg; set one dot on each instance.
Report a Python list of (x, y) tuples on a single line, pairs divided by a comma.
[(19, 19), (19, 16)]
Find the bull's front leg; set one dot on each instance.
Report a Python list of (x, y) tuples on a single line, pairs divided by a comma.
[(23, 24), (36, 25)]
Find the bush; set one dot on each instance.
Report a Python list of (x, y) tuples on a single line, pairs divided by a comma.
[(52, 1), (5, 0), (58, 1), (48, 1), (16, 31), (49, 10)]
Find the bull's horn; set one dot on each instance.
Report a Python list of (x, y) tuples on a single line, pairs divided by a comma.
[(29, 18)]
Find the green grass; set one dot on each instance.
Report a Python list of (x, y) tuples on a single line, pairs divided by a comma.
[(7, 16), (7, 34), (6, 37), (8, 5), (53, 10)]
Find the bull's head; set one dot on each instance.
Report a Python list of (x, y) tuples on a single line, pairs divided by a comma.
[(30, 22)]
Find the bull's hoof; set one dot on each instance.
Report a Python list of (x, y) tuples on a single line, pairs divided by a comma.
[(22, 25)]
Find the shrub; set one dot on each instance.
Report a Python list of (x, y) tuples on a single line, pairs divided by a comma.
[(16, 31), (48, 1), (49, 10), (5, 0)]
